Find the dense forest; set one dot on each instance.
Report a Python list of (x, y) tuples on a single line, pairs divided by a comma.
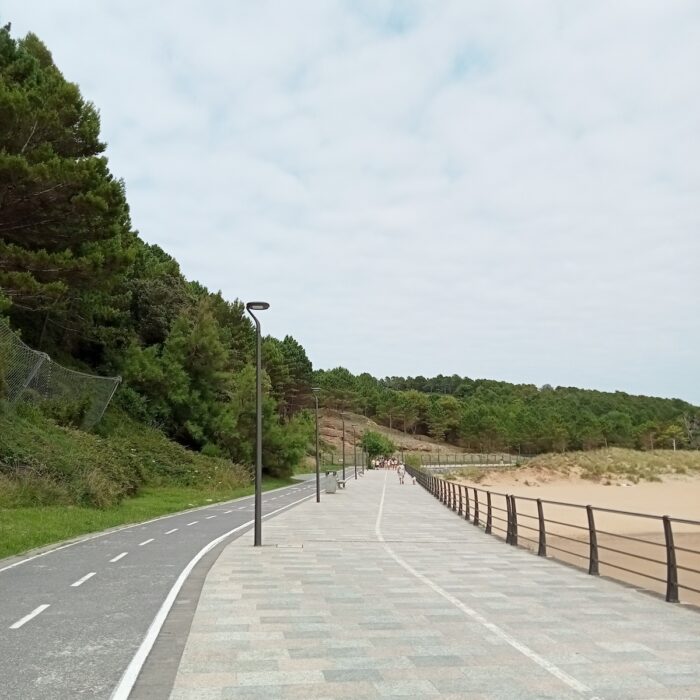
[(482, 414), (77, 282)]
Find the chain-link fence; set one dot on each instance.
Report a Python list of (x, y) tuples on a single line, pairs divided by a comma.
[(31, 375)]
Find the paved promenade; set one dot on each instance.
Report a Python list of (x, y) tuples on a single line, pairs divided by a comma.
[(382, 592)]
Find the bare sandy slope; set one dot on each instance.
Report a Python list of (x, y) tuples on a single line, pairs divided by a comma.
[(331, 431), (567, 527)]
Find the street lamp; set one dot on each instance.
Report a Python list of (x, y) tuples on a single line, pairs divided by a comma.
[(354, 450), (316, 390), (250, 307), (342, 418)]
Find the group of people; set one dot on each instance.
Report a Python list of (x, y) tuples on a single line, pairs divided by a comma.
[(391, 463)]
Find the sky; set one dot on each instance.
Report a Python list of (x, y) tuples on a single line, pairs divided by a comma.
[(491, 188)]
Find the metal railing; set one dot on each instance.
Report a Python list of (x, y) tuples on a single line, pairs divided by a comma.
[(446, 461), (655, 562)]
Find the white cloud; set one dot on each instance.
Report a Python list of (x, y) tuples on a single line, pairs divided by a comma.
[(495, 189)]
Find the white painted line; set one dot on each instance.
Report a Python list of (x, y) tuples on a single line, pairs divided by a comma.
[(194, 522), (123, 689), (81, 581), (112, 530), (146, 541), (209, 517), (226, 512), (26, 618), (118, 557), (477, 616), (170, 532), (243, 507)]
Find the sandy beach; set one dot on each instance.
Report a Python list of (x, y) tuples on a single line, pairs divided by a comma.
[(677, 496)]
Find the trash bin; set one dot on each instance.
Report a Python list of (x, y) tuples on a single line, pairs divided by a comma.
[(331, 482)]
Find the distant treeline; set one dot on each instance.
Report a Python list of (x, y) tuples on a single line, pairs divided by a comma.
[(482, 414)]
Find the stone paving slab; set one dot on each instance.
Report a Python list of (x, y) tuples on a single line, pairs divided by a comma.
[(380, 591)]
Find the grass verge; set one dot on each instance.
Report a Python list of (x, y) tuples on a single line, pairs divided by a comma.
[(26, 528)]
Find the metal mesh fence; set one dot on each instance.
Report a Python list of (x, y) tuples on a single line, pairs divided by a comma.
[(31, 375)]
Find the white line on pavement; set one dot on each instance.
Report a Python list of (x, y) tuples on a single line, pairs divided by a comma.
[(226, 512), (81, 581), (112, 530), (170, 532), (122, 691), (146, 541), (478, 617), (243, 507), (26, 618), (118, 557), (194, 522), (209, 517)]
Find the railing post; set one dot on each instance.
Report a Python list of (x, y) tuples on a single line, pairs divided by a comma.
[(593, 542), (454, 497), (476, 507), (514, 522), (671, 568), (461, 500), (509, 518), (488, 512), (466, 504), (542, 549)]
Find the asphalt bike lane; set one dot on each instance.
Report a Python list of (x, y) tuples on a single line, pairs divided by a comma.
[(72, 618)]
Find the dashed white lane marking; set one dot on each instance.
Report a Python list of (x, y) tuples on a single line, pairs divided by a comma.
[(118, 557), (209, 517), (82, 580), (26, 618), (243, 507), (146, 542), (476, 616), (170, 532), (226, 512), (194, 522)]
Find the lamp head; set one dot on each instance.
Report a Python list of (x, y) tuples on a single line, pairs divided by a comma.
[(257, 305)]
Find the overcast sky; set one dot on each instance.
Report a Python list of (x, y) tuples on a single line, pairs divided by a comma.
[(498, 189)]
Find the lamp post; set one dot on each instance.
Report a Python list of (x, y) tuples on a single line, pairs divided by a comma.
[(250, 307), (315, 390), (342, 418), (354, 450)]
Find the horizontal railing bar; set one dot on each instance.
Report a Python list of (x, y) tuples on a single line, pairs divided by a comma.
[(685, 568), (526, 515), (571, 539), (527, 527), (558, 522), (632, 571), (566, 551), (497, 517), (689, 588), (633, 556), (678, 548), (684, 521), (649, 516), (527, 539), (629, 537)]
